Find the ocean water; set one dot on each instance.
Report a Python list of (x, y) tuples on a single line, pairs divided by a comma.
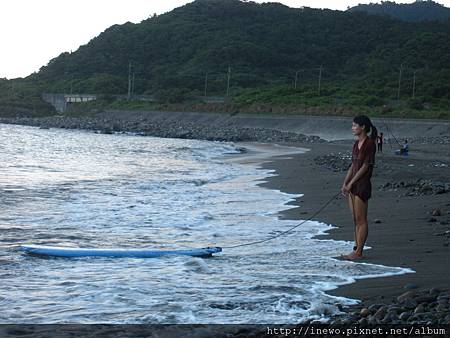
[(81, 189)]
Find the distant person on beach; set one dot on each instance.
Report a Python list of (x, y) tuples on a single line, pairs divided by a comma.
[(357, 185), (405, 148), (380, 140)]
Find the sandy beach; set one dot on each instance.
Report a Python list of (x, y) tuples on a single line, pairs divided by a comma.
[(402, 229)]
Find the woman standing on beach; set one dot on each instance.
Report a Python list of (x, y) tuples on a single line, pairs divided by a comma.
[(380, 141), (357, 181)]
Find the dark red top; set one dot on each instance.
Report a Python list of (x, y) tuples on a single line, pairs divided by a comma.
[(363, 187)]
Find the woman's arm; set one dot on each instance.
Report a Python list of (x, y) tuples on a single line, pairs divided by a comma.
[(360, 173), (347, 178), (349, 173)]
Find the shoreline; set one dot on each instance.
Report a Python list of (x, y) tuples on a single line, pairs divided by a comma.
[(403, 230)]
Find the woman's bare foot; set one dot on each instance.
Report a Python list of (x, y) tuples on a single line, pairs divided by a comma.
[(352, 256)]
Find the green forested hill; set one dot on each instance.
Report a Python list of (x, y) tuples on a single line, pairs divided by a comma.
[(265, 47), (420, 10)]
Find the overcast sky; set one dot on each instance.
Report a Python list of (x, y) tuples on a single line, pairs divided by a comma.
[(35, 31)]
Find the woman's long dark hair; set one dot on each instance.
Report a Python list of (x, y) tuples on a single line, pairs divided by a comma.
[(363, 120)]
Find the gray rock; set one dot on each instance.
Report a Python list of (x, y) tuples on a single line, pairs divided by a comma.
[(409, 304), (444, 295), (394, 309), (424, 299), (422, 316), (434, 291), (363, 322), (436, 212), (365, 312), (419, 309), (441, 308), (374, 307), (443, 301), (334, 322), (411, 320), (405, 296), (381, 312), (373, 321), (389, 317), (405, 315)]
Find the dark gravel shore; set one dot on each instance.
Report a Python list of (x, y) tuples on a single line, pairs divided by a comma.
[(417, 307), (142, 125)]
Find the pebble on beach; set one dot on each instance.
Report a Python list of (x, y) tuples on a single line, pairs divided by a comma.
[(411, 307), (436, 212)]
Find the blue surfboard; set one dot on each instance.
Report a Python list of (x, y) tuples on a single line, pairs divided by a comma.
[(56, 251)]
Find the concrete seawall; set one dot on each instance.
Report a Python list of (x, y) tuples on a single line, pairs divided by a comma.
[(326, 127)]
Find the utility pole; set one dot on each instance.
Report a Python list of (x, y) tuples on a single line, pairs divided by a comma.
[(129, 81), (296, 77), (399, 81), (132, 85), (206, 84), (414, 84), (228, 81), (320, 78)]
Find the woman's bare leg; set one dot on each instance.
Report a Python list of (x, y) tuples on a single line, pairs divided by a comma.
[(351, 204), (359, 211), (362, 226)]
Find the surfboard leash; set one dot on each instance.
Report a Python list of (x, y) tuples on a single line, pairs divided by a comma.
[(288, 230)]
